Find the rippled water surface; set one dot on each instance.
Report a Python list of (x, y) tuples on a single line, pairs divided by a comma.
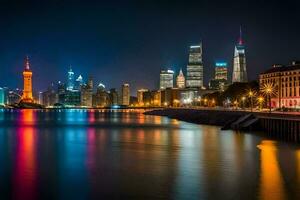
[(80, 154)]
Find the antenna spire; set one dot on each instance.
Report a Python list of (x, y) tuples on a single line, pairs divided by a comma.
[(240, 38), (27, 65)]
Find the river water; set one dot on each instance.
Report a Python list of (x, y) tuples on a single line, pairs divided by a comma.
[(88, 154)]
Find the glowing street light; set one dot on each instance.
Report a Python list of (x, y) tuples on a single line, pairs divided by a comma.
[(260, 100), (251, 94), (268, 90), (243, 100)]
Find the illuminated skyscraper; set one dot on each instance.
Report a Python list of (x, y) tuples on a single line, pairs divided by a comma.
[(194, 76), (2, 96), (221, 72), (180, 80), (113, 95), (86, 95), (239, 62), (102, 97), (79, 83), (125, 94), (166, 79), (70, 83), (140, 96), (27, 76)]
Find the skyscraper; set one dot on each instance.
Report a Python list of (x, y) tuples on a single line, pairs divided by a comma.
[(194, 76), (86, 95), (78, 83), (113, 95), (239, 62), (180, 80), (221, 72), (166, 79), (2, 96), (140, 96), (125, 94), (70, 82), (102, 97), (27, 76)]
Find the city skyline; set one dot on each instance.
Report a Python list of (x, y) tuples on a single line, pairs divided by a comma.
[(94, 41)]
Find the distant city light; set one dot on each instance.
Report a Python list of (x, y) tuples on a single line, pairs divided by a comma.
[(221, 64)]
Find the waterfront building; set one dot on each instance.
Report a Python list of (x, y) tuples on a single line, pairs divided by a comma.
[(113, 95), (78, 83), (27, 76), (101, 96), (61, 92), (239, 73), (14, 96), (90, 82), (221, 71), (166, 79), (2, 96), (170, 97), (140, 96), (70, 81), (72, 98), (40, 101), (194, 77), (49, 97), (156, 98), (180, 80), (125, 94), (86, 95), (221, 77), (133, 101), (285, 82)]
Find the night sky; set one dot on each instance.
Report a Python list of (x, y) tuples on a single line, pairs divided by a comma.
[(131, 41)]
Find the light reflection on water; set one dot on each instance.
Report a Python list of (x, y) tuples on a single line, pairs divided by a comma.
[(79, 154)]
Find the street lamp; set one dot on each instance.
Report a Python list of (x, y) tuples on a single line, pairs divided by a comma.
[(243, 102), (236, 104), (251, 94), (260, 101), (205, 101), (268, 90)]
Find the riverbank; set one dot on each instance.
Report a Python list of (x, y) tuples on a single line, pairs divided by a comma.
[(209, 117), (283, 126)]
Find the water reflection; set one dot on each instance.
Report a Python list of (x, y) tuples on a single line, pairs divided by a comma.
[(25, 168), (271, 180), (76, 154)]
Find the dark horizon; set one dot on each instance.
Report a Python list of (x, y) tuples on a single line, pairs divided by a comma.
[(131, 41)]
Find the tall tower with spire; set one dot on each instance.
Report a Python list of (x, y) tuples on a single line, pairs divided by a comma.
[(27, 76), (239, 73), (70, 82)]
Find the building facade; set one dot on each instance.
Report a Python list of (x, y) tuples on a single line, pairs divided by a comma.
[(72, 98), (86, 96), (194, 76), (70, 81), (113, 95), (166, 79), (2, 96), (140, 96), (221, 71), (285, 81), (239, 73), (125, 94), (27, 76), (49, 97), (221, 77), (180, 80), (101, 97)]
